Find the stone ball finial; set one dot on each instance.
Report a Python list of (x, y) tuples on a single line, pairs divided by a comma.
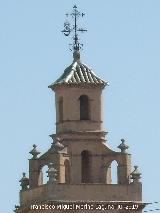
[(123, 146), (34, 152), (24, 182), (52, 173), (136, 174)]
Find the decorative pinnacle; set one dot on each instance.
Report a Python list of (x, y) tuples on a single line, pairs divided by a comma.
[(16, 208), (136, 174), (57, 145), (123, 146), (24, 182), (34, 152), (75, 14)]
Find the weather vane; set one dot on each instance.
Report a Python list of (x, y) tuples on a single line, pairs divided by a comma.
[(75, 14)]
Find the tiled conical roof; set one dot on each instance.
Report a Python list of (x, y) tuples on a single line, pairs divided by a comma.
[(78, 73)]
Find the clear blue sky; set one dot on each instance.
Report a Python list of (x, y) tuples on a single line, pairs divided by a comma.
[(122, 45)]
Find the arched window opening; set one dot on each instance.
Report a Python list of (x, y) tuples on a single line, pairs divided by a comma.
[(85, 166), (61, 109), (43, 179), (84, 107), (114, 172), (67, 171)]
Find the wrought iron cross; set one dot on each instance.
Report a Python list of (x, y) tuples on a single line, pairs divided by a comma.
[(76, 46)]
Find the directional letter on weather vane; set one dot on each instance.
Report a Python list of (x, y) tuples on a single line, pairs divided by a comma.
[(76, 46)]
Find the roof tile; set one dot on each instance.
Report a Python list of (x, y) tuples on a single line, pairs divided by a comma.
[(78, 73)]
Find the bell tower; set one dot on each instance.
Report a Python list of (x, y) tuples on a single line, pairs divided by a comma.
[(78, 94), (79, 160)]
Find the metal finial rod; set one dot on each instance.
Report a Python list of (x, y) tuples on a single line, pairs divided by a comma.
[(76, 46), (75, 27)]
